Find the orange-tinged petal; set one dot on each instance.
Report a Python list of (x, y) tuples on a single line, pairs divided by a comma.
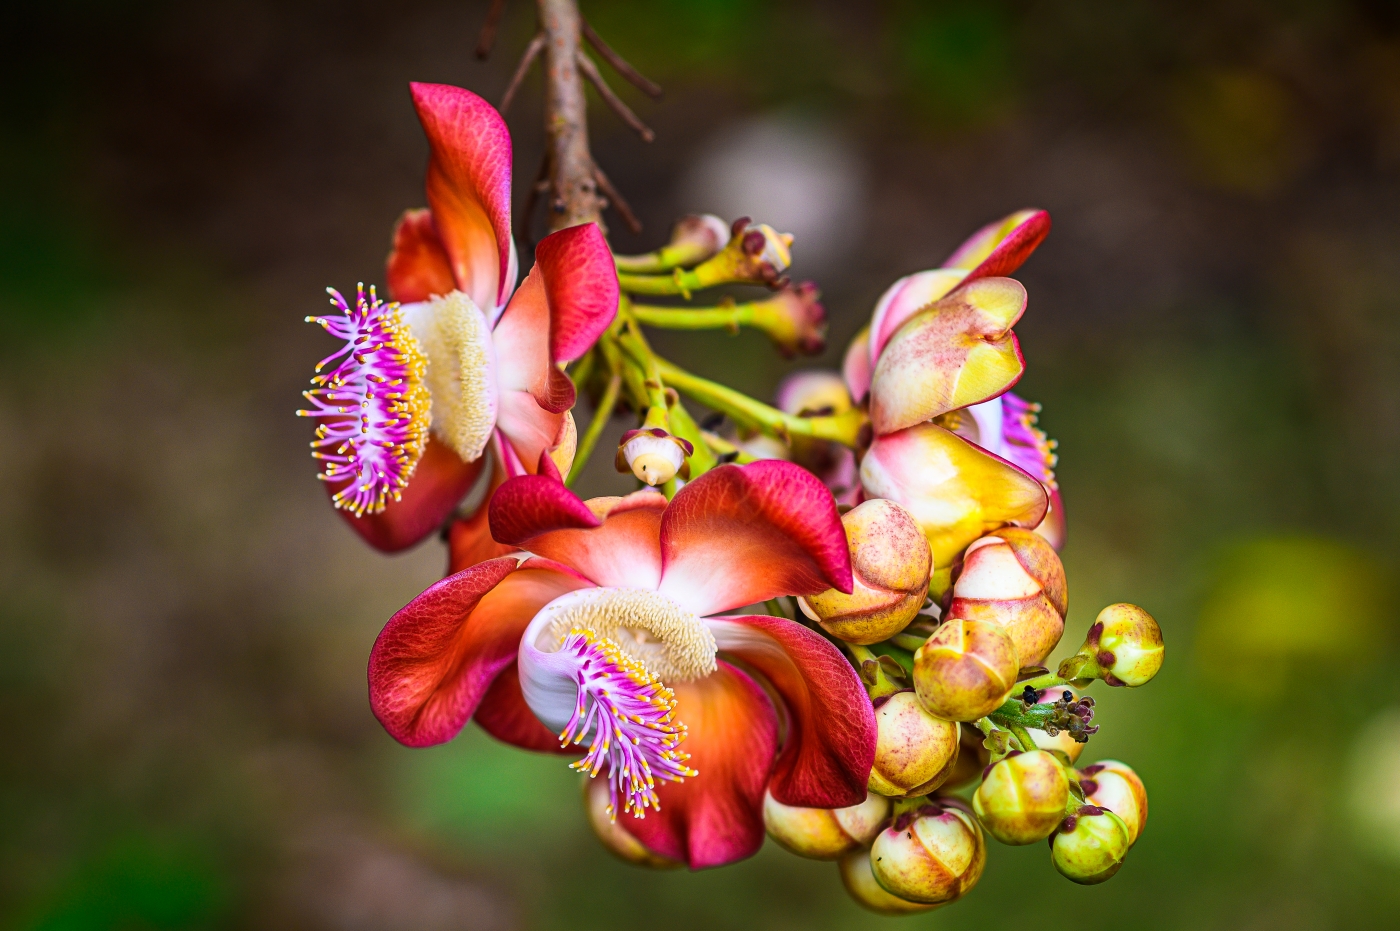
[(958, 352), (418, 266), (716, 817), (504, 715), (956, 490)]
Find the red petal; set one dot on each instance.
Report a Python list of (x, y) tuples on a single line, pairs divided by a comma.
[(739, 535), (418, 266), (716, 817), (469, 540), (469, 188), (580, 279), (529, 505), (441, 480), (504, 715), (830, 746), (999, 248), (437, 656)]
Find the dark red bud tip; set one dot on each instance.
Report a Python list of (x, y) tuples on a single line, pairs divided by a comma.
[(1087, 810), (1066, 826), (1105, 658), (753, 242), (1089, 786), (739, 225), (1090, 770), (1095, 633)]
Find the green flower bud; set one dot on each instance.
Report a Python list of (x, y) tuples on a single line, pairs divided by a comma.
[(614, 837), (914, 751), (965, 670), (1113, 785), (859, 881), (1023, 797), (1090, 845), (1124, 647), (824, 833), (933, 854)]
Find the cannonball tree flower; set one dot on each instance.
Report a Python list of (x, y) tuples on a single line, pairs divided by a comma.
[(456, 362), (612, 631)]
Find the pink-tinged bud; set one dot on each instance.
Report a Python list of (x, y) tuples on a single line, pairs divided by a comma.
[(1023, 797), (1113, 785), (1014, 578), (1089, 846), (794, 320), (914, 751), (617, 839), (1124, 647), (653, 455), (956, 490), (891, 562), (966, 670), (754, 255), (1063, 741), (860, 883), (824, 833), (813, 392), (695, 238), (973, 757), (934, 854)]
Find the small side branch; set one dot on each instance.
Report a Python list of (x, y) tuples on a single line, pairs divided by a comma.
[(624, 210), (487, 40), (620, 64), (614, 102), (532, 51)]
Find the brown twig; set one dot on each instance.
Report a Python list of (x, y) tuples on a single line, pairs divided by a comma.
[(540, 185), (623, 209), (487, 39), (620, 64), (532, 51), (575, 192), (614, 102)]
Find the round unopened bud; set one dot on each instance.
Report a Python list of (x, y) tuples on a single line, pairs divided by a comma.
[(1089, 846), (1124, 647), (859, 880), (1113, 785), (653, 455), (1014, 578), (965, 670), (812, 393), (696, 237), (973, 757), (934, 854), (914, 751), (615, 837), (1063, 741), (890, 562), (824, 833), (1023, 797)]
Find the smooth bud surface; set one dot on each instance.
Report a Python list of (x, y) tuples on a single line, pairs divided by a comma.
[(914, 751), (1113, 785), (1023, 797), (1014, 578), (933, 855), (824, 833), (653, 455), (1124, 648), (697, 237), (859, 880), (890, 560), (614, 837), (965, 670), (1089, 845)]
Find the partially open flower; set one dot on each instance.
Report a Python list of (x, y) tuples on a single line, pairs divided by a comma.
[(794, 320), (824, 833), (859, 880), (914, 752), (653, 455), (1014, 578), (933, 854), (891, 561), (1090, 845), (1124, 647), (1113, 785), (612, 835), (1022, 798), (965, 670)]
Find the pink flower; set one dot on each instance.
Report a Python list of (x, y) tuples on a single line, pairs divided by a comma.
[(613, 632), (458, 363)]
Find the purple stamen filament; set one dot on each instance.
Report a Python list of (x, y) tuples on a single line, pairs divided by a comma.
[(631, 717), (374, 403)]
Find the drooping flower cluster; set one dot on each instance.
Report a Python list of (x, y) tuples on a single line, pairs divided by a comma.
[(828, 619)]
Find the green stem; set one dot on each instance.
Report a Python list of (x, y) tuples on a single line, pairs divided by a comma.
[(680, 281), (601, 415), (722, 447), (1042, 682), (841, 428), (684, 426), (697, 318), (1023, 737)]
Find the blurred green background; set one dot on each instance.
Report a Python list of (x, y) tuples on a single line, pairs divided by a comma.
[(1214, 330)]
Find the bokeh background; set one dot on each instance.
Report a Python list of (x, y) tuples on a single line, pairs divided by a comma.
[(185, 741)]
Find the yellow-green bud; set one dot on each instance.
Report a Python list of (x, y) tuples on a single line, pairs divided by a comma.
[(914, 751), (973, 757), (859, 881), (965, 670), (1089, 845), (1023, 797), (824, 833), (934, 854), (1124, 647), (614, 837), (1113, 785)]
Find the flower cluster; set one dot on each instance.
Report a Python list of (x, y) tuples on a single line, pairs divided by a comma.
[(828, 619)]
